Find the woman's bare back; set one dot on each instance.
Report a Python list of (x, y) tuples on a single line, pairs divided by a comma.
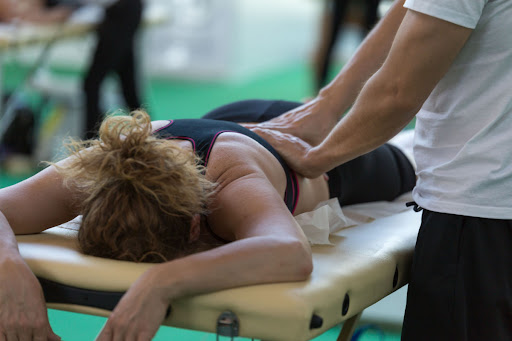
[(232, 153)]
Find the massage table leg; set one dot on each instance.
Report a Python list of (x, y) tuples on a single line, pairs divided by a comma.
[(349, 326)]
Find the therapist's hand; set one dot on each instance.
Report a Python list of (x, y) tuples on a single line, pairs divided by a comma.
[(311, 122), (23, 314), (297, 153), (138, 314)]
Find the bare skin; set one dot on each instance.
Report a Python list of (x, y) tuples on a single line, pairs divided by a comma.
[(32, 11), (399, 64), (268, 245), (312, 191), (335, 99)]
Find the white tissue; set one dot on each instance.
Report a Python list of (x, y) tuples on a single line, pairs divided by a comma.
[(328, 217)]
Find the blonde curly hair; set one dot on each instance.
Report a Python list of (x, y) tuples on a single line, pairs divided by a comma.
[(140, 192)]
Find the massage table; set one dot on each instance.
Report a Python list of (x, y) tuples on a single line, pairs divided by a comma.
[(363, 264)]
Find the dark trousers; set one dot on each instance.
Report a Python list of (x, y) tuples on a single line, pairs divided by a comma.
[(461, 284), (114, 53)]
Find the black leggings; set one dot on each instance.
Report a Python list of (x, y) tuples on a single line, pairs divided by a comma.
[(114, 53), (382, 174)]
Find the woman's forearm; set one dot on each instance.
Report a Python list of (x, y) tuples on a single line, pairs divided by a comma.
[(8, 243), (343, 90), (21, 296), (248, 261)]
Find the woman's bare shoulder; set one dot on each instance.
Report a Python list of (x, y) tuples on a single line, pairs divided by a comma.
[(159, 124), (235, 156)]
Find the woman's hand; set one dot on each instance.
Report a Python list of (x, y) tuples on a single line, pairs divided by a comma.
[(23, 314), (139, 314), (310, 122)]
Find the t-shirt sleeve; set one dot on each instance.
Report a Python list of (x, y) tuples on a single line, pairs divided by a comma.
[(460, 12)]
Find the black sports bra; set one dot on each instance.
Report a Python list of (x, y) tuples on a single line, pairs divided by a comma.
[(203, 134)]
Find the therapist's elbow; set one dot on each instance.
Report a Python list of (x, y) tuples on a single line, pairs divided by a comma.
[(400, 98), (389, 93)]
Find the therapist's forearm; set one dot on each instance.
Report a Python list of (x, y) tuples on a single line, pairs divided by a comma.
[(343, 90), (422, 53), (379, 113)]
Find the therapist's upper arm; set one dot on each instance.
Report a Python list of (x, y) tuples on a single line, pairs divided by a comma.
[(422, 52)]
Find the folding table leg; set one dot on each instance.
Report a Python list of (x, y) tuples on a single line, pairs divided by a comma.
[(349, 326)]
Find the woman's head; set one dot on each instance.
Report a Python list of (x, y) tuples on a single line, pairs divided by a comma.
[(140, 192)]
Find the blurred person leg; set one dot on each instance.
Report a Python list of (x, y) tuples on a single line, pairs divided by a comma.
[(333, 18), (371, 14), (331, 21), (126, 71), (114, 53)]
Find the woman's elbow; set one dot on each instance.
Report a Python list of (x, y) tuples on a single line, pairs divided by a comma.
[(302, 260), (306, 269)]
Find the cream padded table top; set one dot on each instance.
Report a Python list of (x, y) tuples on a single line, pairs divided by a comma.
[(365, 264), (25, 34)]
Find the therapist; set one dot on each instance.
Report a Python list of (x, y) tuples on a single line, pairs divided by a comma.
[(449, 63)]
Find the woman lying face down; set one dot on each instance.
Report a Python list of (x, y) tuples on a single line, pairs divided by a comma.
[(207, 199), (149, 199), (145, 198)]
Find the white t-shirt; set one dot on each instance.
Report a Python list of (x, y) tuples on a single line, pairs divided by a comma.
[(463, 134)]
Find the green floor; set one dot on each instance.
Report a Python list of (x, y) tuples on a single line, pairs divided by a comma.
[(79, 327), (177, 99)]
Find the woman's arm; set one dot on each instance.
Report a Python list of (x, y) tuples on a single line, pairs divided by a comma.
[(269, 247), (23, 313), (38, 203), (31, 206)]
